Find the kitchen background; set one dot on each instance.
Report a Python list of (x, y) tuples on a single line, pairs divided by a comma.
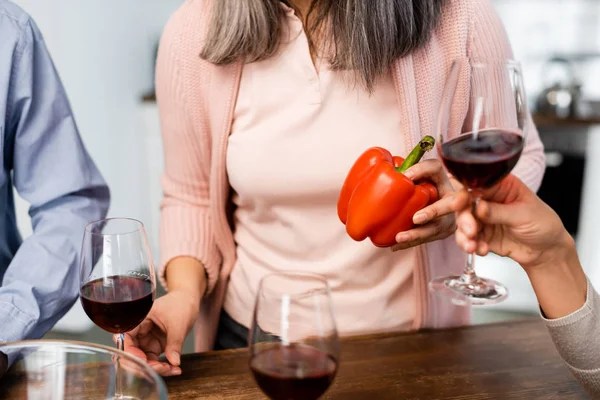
[(104, 51)]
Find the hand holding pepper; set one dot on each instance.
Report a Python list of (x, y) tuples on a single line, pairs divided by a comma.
[(436, 221), (378, 199)]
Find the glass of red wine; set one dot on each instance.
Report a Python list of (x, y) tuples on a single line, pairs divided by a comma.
[(117, 279), (482, 127), (294, 344)]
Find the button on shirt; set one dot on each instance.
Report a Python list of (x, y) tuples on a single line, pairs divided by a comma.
[(298, 128), (43, 157)]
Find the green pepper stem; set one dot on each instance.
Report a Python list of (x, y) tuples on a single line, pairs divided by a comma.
[(417, 153)]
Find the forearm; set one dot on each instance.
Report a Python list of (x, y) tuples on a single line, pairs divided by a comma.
[(559, 283), (189, 275), (570, 306), (42, 281)]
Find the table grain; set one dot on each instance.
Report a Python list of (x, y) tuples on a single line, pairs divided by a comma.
[(515, 360)]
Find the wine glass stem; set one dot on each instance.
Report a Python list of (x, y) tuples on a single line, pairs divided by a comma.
[(469, 275), (118, 385), (121, 341)]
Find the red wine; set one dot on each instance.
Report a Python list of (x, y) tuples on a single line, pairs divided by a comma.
[(117, 304), (293, 372), (482, 161)]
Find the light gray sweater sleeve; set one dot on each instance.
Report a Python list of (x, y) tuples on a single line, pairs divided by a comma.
[(577, 338)]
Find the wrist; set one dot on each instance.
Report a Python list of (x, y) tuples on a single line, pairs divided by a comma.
[(188, 276), (560, 272), (193, 296), (561, 251)]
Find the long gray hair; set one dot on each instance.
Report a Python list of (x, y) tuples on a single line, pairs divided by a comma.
[(365, 36)]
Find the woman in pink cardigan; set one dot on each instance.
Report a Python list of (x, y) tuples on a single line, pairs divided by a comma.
[(264, 106)]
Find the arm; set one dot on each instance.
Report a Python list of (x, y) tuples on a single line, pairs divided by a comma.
[(513, 222), (570, 310), (189, 257), (488, 40), (53, 172)]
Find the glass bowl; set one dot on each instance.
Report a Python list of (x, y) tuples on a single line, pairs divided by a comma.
[(60, 370)]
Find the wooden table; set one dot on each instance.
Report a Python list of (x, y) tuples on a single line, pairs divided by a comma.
[(515, 360)]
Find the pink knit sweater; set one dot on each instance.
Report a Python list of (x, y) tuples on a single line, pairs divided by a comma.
[(197, 99)]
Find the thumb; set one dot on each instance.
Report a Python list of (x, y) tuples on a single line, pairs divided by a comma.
[(498, 214), (175, 339)]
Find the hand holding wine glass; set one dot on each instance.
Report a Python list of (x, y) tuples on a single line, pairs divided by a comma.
[(480, 143), (513, 222), (294, 345), (163, 331)]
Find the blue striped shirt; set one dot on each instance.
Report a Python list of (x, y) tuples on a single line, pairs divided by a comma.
[(43, 157)]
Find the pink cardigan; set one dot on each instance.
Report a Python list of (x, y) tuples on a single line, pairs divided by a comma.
[(196, 100)]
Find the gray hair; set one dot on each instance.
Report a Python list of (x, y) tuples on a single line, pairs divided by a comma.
[(365, 36)]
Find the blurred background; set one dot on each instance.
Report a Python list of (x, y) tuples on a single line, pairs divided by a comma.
[(105, 52)]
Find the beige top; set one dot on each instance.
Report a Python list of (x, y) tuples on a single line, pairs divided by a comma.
[(296, 132), (577, 338)]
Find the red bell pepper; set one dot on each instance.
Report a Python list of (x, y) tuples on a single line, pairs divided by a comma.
[(378, 201)]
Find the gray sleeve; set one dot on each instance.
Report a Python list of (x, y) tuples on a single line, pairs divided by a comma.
[(577, 338)]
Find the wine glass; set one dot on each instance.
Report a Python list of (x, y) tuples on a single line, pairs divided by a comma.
[(482, 127), (65, 370), (294, 344), (117, 279)]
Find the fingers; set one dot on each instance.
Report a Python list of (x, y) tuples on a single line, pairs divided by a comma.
[(132, 348), (175, 338), (499, 214), (461, 200), (145, 327), (469, 245), (164, 369), (440, 208), (147, 342), (152, 346), (464, 242), (432, 170), (440, 228), (131, 337), (465, 222)]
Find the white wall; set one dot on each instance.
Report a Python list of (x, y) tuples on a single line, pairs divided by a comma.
[(104, 53), (540, 28)]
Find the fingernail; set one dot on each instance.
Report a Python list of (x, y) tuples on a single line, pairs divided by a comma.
[(402, 237), (409, 174), (419, 218), (176, 358)]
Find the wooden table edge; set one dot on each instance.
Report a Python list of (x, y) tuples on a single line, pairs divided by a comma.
[(376, 336)]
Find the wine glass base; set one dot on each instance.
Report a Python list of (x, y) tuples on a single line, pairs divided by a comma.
[(461, 292)]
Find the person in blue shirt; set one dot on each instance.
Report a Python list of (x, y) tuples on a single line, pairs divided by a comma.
[(43, 157)]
